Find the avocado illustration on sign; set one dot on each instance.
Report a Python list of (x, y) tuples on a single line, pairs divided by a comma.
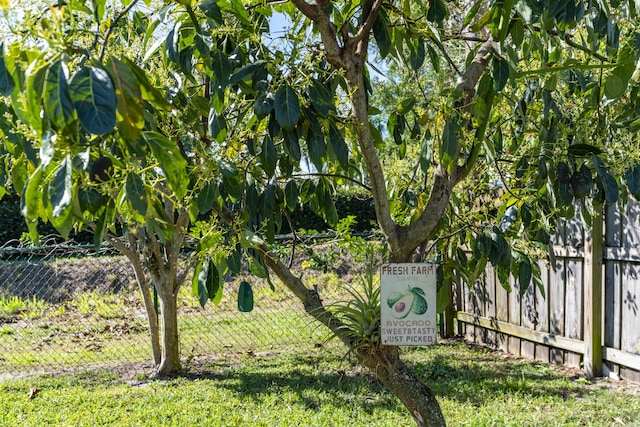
[(412, 301)]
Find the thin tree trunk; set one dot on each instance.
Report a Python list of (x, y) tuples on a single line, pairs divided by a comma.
[(133, 256), (170, 363), (152, 318)]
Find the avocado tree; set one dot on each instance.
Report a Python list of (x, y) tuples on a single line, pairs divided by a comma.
[(88, 143), (514, 114)]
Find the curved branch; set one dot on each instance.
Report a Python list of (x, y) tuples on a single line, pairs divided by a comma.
[(369, 20), (411, 236)]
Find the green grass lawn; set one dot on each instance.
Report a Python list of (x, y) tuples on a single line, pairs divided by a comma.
[(320, 387)]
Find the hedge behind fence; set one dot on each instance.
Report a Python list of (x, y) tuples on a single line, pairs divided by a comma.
[(12, 224)]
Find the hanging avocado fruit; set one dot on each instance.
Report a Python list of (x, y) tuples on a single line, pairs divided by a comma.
[(101, 170), (412, 301)]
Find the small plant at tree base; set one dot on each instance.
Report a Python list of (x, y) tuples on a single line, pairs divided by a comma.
[(360, 316)]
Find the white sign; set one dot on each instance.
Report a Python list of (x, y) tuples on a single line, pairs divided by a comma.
[(408, 306)]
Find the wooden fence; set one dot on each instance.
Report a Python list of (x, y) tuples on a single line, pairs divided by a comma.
[(589, 314)]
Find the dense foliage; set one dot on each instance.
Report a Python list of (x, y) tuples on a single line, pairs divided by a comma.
[(499, 118)]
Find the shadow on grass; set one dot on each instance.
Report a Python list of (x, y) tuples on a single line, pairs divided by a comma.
[(454, 371), (309, 380)]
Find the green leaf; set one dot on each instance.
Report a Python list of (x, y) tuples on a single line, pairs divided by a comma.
[(94, 99), (30, 201), (607, 183), (227, 168), (291, 195), (448, 148), (500, 74), (434, 58), (60, 191), (148, 91), (129, 104), (217, 125), (90, 200), (616, 84), (263, 105), (234, 261), (172, 48), (206, 198), (212, 11), (321, 98), (339, 146), (136, 193), (316, 144), (524, 275), (583, 150), (57, 99), (251, 199), (581, 182), (269, 155), (204, 44), (382, 33), (292, 145), (221, 67), (406, 105), (416, 53), (287, 107), (472, 13), (199, 282), (522, 166), (245, 297), (247, 71), (103, 222), (213, 280), (256, 265), (6, 80), (171, 160), (437, 11), (234, 186)]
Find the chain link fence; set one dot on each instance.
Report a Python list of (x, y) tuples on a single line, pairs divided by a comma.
[(65, 307)]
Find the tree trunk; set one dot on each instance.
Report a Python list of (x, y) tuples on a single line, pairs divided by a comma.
[(384, 361), (145, 290), (152, 320), (170, 363), (421, 402)]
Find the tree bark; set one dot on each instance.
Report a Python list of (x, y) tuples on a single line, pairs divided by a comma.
[(170, 363), (421, 402), (152, 316)]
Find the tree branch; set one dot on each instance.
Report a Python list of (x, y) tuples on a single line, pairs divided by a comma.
[(317, 13), (369, 19), (420, 230)]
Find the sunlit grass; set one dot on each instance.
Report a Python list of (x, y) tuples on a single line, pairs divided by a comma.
[(320, 387)]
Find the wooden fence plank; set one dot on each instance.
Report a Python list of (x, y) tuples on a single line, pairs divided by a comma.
[(556, 308), (502, 314), (514, 317), (542, 307), (573, 307)]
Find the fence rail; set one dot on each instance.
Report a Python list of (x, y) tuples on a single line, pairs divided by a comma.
[(589, 313)]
